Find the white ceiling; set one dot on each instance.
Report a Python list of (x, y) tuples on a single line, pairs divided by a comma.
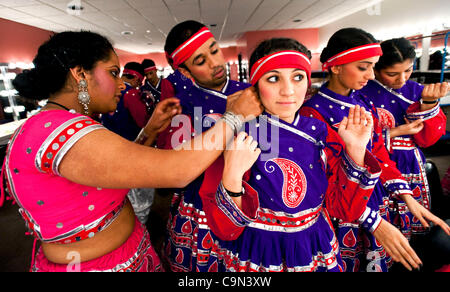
[(151, 20)]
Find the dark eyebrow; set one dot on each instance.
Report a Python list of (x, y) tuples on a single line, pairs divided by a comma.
[(366, 62), (213, 44)]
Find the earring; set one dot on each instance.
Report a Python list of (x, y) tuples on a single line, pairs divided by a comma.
[(83, 96)]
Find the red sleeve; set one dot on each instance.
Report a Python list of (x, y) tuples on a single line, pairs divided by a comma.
[(435, 123), (225, 219), (167, 89), (132, 101), (350, 185)]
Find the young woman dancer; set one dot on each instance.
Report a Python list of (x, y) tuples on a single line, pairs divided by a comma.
[(277, 219), (411, 117)]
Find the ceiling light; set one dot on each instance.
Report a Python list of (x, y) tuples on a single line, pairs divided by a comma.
[(75, 7), (127, 32), (297, 20)]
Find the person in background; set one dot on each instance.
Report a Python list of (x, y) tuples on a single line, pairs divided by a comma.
[(350, 57), (70, 175), (151, 90), (276, 216), (410, 116), (131, 114)]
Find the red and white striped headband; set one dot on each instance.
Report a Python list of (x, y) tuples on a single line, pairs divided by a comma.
[(134, 73), (188, 48), (353, 55), (283, 59), (146, 70)]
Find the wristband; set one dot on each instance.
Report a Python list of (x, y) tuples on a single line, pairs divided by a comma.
[(429, 102), (235, 195)]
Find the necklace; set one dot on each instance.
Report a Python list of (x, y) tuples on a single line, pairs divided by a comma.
[(55, 103)]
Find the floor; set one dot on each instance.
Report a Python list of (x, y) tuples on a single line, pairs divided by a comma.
[(16, 247)]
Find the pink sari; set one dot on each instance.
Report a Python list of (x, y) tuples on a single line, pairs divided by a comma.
[(59, 211)]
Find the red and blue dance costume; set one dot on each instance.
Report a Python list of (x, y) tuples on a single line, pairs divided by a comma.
[(302, 176), (359, 248), (392, 107), (190, 245)]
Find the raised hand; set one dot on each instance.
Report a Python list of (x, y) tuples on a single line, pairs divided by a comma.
[(245, 103), (163, 114), (432, 92), (159, 121), (239, 157), (356, 131)]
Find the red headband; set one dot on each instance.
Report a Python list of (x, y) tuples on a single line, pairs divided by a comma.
[(134, 73), (283, 59), (354, 54), (188, 48), (146, 70)]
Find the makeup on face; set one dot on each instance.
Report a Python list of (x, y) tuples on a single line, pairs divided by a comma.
[(395, 76), (282, 92), (108, 85), (352, 76)]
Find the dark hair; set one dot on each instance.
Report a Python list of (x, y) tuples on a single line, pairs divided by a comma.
[(55, 57), (135, 66), (395, 51), (146, 63), (181, 33), (345, 39), (274, 45)]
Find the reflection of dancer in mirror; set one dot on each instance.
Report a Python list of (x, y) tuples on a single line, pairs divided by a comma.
[(70, 176), (350, 57), (273, 218), (411, 117)]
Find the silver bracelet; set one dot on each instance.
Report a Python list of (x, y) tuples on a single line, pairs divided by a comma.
[(142, 137), (233, 121)]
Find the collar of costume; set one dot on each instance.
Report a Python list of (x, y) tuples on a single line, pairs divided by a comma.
[(134, 73), (153, 68), (283, 59), (354, 54), (188, 48)]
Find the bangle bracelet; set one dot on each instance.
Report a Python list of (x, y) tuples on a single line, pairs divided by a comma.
[(235, 195), (429, 102), (142, 137), (233, 121)]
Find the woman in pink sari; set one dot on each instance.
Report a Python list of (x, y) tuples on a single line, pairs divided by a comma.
[(70, 175)]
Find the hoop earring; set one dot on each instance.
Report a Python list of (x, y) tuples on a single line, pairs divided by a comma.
[(83, 96)]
